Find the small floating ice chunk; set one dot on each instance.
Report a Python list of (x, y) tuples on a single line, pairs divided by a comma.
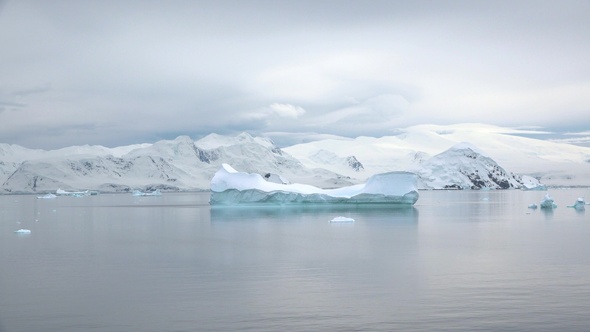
[(341, 220), (532, 206), (580, 204), (547, 203), (156, 192), (61, 192), (23, 231), (531, 183), (48, 196)]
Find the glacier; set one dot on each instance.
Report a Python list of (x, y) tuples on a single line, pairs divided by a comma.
[(230, 187)]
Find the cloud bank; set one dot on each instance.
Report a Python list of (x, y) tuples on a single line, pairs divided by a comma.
[(123, 72)]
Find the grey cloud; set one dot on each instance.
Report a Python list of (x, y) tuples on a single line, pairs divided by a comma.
[(11, 104), (120, 71), (32, 90)]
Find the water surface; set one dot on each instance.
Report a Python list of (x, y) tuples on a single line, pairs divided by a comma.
[(456, 261)]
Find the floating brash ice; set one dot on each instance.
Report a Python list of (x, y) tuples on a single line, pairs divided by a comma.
[(230, 187)]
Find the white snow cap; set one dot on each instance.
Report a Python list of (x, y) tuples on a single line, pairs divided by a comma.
[(468, 146)]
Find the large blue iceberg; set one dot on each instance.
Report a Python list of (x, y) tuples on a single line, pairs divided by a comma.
[(230, 187)]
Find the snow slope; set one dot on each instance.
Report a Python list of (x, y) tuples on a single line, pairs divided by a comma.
[(464, 166), (179, 164), (554, 163)]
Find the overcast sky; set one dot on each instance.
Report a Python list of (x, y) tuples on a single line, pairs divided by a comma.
[(122, 72)]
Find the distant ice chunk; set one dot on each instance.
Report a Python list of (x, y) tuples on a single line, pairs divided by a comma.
[(47, 196), (531, 183), (230, 187), (547, 203), (580, 204), (23, 231), (532, 206), (61, 192), (156, 192), (341, 220)]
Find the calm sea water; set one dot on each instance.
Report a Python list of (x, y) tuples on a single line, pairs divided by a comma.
[(456, 261)]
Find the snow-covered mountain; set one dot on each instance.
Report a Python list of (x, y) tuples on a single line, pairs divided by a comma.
[(493, 158), (179, 164), (553, 163), (464, 166)]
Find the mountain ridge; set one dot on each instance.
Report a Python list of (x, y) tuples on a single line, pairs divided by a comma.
[(478, 156)]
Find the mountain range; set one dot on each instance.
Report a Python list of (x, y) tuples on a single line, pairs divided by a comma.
[(464, 156)]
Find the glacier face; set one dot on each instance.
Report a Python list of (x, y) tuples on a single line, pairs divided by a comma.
[(230, 187)]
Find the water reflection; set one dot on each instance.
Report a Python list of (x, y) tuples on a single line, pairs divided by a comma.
[(548, 213), (374, 213), (474, 261)]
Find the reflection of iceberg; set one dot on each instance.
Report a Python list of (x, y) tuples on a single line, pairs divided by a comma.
[(229, 187), (547, 202), (293, 213), (143, 193)]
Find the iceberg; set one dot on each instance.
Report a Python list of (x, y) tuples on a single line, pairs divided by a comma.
[(47, 196), (61, 192), (531, 183), (580, 204), (547, 203), (156, 192), (230, 187), (23, 231), (341, 220)]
